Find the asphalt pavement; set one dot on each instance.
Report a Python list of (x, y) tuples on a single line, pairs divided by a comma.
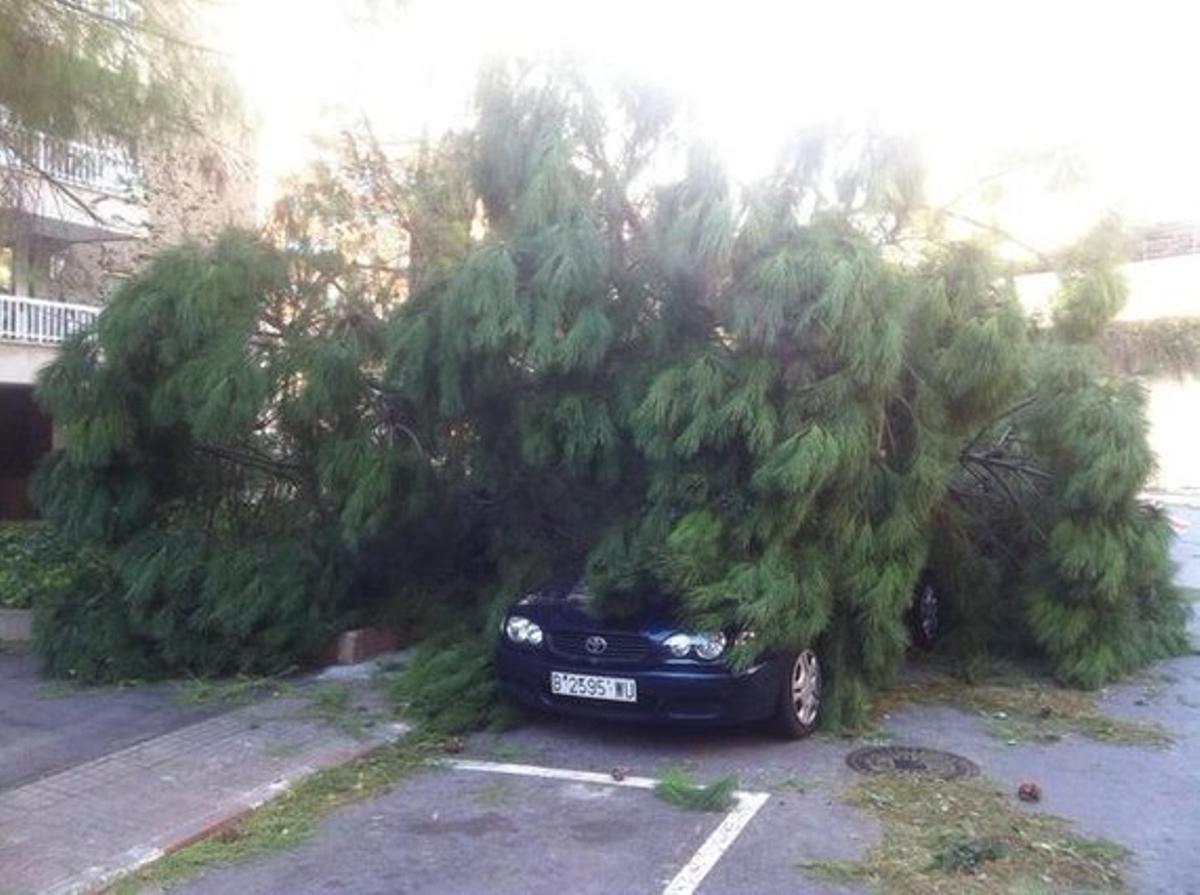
[(448, 830), (46, 726), (445, 831)]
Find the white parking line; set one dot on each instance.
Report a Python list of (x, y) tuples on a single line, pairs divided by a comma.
[(530, 770), (688, 879)]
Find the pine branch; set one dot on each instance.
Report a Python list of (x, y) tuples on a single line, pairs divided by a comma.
[(288, 470), (992, 460), (133, 27), (55, 183), (1002, 233), (1011, 411), (393, 398)]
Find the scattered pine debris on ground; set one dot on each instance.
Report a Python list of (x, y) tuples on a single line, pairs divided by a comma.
[(1020, 707), (678, 789), (965, 836)]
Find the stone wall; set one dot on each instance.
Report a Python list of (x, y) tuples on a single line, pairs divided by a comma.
[(193, 190)]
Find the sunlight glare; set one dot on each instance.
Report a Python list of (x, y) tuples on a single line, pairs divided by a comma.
[(971, 84)]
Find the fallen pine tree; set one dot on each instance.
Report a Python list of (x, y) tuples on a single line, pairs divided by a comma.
[(438, 378)]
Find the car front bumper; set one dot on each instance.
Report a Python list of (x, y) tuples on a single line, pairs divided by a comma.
[(683, 693)]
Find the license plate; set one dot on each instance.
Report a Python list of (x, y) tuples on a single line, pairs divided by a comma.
[(593, 686)]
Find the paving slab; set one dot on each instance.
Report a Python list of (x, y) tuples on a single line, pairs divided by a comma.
[(46, 727), (75, 830)]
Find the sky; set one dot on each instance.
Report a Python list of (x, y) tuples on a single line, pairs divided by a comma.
[(1110, 86)]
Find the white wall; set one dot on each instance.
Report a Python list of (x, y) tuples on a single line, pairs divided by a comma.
[(1174, 411), (1163, 287), (19, 363)]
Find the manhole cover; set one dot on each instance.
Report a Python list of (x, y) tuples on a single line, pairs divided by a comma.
[(911, 760)]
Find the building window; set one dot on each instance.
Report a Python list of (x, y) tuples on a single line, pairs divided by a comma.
[(7, 279)]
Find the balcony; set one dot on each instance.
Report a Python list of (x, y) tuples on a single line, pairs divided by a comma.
[(35, 321), (69, 190), (97, 168)]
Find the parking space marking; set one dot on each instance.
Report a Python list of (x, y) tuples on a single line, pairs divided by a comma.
[(531, 770), (687, 880)]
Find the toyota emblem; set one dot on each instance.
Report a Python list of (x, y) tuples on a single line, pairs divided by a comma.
[(595, 645)]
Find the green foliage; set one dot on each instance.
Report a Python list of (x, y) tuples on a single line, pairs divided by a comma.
[(127, 77), (967, 855), (34, 564), (191, 417), (82, 73), (450, 683), (964, 836), (677, 788), (84, 633), (780, 403), (1100, 597), (1093, 290), (450, 686)]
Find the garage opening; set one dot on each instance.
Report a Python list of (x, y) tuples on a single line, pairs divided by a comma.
[(26, 435)]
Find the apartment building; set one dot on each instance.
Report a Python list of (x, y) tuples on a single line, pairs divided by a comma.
[(76, 219)]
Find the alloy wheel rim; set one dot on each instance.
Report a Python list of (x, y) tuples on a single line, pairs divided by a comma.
[(806, 687)]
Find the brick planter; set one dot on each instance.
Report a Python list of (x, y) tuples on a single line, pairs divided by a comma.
[(360, 644), (16, 624)]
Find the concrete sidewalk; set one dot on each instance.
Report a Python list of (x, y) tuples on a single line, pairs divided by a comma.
[(75, 831), (47, 727)]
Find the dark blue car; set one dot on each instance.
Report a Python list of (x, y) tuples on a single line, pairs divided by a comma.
[(556, 655)]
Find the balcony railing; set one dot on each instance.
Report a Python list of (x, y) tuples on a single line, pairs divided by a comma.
[(105, 169), (36, 321)]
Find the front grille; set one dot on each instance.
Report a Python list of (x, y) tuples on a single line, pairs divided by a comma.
[(619, 647)]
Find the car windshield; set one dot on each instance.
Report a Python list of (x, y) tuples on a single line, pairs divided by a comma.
[(571, 584)]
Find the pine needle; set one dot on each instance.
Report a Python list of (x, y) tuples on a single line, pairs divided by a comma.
[(677, 788)]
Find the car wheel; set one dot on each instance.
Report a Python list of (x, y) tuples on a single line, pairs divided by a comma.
[(800, 701), (926, 613)]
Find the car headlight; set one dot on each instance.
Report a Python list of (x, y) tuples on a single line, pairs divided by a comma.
[(705, 646), (519, 629), (678, 644), (709, 646)]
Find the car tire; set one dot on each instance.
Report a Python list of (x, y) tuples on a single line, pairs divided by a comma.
[(925, 618), (798, 710)]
